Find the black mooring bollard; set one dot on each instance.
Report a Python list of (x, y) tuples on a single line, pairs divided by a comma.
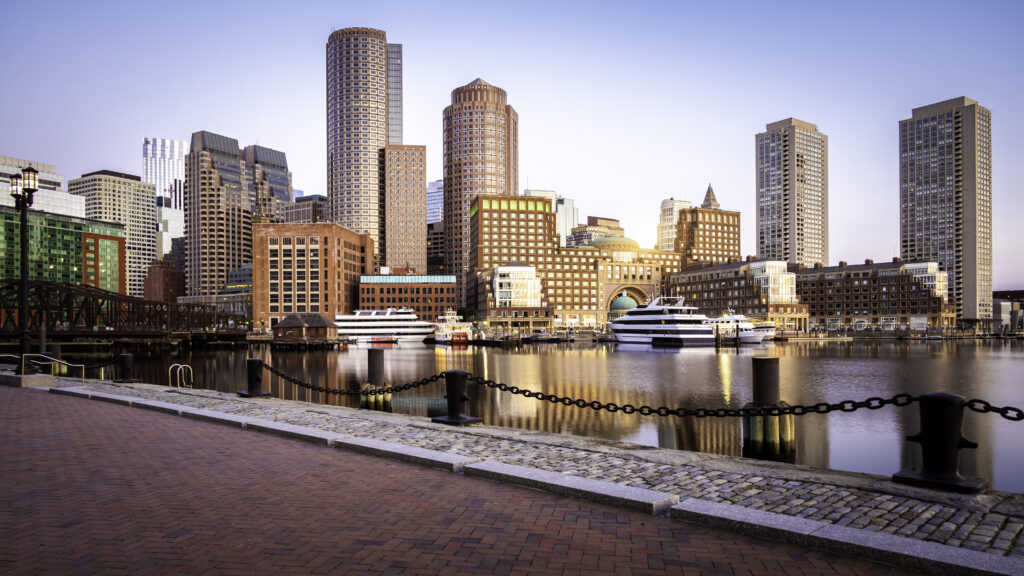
[(125, 368), (941, 438), (768, 437), (254, 376), (455, 393), (375, 367)]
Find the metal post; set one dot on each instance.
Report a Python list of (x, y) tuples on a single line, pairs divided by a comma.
[(768, 437), (126, 366), (941, 438), (455, 393), (23, 284), (766, 381), (375, 366), (254, 376)]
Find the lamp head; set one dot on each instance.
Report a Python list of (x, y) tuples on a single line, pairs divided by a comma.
[(30, 179), (16, 185)]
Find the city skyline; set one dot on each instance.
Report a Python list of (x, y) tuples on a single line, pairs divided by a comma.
[(594, 85)]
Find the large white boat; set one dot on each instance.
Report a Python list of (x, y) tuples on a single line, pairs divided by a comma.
[(451, 329), (390, 326), (767, 330), (663, 322), (731, 325)]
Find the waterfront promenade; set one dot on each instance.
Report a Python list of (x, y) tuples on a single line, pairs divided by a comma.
[(102, 488)]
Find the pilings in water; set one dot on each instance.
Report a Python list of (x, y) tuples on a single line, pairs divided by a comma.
[(768, 437)]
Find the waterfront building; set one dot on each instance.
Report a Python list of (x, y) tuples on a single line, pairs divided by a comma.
[(884, 296), (763, 290), (566, 215), (164, 282), (65, 249), (307, 268), (307, 209), (792, 193), (595, 229), (946, 198), (435, 201), (513, 300), (125, 198), (405, 207), (226, 190), (668, 222), (427, 295), (163, 166), (481, 156), (435, 248), (708, 233), (578, 284), (50, 197)]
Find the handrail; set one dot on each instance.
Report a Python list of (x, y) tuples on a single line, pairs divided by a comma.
[(181, 368), (51, 362)]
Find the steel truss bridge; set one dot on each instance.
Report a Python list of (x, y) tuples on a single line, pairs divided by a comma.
[(75, 311)]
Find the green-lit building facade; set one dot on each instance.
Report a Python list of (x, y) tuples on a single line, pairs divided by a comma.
[(64, 249)]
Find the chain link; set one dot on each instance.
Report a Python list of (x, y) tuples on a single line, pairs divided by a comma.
[(872, 403), (367, 392), (982, 407)]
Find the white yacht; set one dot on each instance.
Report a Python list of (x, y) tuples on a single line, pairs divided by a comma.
[(731, 325), (664, 321), (389, 326), (767, 330), (451, 329)]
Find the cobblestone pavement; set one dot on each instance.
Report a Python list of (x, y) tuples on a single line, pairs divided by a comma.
[(990, 523), (96, 488)]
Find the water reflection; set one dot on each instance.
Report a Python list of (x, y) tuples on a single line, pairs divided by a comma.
[(810, 372)]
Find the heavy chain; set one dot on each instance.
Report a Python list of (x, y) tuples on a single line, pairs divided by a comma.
[(337, 392), (873, 403), (1008, 412)]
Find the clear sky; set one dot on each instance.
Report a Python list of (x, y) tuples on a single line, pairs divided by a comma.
[(621, 104)]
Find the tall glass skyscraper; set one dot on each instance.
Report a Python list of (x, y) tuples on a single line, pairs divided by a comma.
[(435, 201), (946, 198), (792, 193), (163, 166)]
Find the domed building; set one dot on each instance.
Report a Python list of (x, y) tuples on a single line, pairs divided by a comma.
[(620, 306)]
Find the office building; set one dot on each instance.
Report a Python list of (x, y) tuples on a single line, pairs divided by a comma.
[(708, 233), (578, 285), (792, 193), (163, 166), (481, 156), (125, 198), (224, 195), (435, 248), (946, 198), (435, 201), (405, 208), (567, 216), (595, 229), (164, 282), (886, 296), (64, 249), (50, 197), (763, 290), (395, 94), (307, 268), (429, 296), (307, 209), (668, 221)]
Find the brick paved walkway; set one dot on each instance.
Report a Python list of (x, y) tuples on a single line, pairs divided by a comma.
[(95, 488)]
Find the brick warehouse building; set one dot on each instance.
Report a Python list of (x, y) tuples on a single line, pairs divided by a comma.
[(429, 296)]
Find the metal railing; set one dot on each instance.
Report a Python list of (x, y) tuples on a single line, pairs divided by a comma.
[(184, 376)]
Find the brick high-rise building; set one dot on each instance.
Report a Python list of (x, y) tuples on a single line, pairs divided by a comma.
[(708, 233), (405, 208), (792, 193), (946, 198), (481, 156)]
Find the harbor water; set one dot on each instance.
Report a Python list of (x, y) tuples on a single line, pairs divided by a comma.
[(871, 441)]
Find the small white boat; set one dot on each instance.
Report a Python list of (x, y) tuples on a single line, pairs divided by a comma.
[(391, 326), (765, 328), (451, 329), (732, 325), (663, 322)]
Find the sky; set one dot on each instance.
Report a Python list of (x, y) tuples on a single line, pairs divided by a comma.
[(621, 104)]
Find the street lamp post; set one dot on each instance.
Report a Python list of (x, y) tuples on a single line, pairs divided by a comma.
[(22, 187)]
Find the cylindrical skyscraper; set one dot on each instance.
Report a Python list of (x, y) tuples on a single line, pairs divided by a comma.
[(481, 156), (357, 129)]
